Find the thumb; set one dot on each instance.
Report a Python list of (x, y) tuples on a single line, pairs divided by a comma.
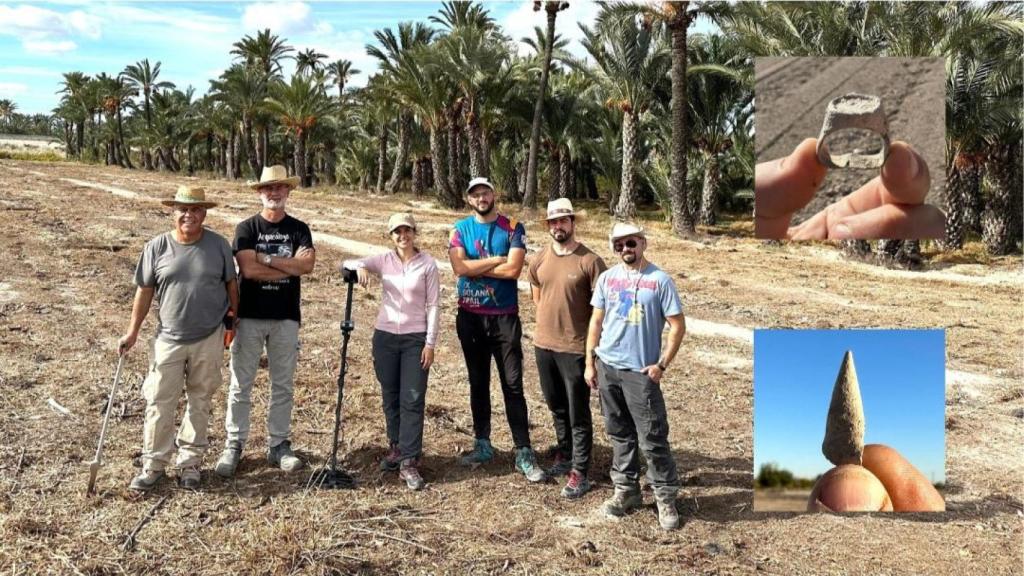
[(849, 488)]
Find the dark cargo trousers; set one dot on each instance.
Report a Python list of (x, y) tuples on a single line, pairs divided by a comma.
[(403, 387), (499, 336), (568, 398), (635, 417)]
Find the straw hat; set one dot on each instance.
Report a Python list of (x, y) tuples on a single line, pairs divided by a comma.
[(271, 175), (189, 196), (559, 208)]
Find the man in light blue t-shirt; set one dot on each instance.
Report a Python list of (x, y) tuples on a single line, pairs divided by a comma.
[(632, 302)]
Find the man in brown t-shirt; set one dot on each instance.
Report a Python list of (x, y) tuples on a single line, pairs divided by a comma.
[(563, 276)]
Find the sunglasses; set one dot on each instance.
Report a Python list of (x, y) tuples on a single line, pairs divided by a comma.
[(618, 246)]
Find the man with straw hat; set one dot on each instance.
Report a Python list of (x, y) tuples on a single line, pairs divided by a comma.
[(273, 250), (563, 275), (191, 273), (625, 362)]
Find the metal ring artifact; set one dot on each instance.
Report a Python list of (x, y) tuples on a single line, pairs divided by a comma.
[(853, 112)]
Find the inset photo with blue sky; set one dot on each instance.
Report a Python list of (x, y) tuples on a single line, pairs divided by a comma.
[(901, 377)]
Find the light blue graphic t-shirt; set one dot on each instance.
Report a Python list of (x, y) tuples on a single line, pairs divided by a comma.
[(485, 295), (635, 306)]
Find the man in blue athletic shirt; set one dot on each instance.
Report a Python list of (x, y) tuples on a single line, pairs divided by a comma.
[(487, 251)]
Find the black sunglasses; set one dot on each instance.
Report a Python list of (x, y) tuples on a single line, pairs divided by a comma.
[(628, 244)]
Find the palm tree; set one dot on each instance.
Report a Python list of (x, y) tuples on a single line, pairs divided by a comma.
[(244, 90), (309, 60), (551, 8), (264, 52), (7, 109), (144, 77), (631, 61), (341, 71), (393, 54), (298, 105), (73, 108)]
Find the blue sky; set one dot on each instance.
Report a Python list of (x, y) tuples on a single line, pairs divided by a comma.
[(902, 384), (192, 40)]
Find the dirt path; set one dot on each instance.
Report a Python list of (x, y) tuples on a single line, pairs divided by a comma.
[(66, 290)]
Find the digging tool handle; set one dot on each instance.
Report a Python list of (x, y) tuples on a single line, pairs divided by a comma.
[(110, 406)]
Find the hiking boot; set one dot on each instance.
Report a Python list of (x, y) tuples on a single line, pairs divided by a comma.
[(188, 477), (622, 502), (482, 453), (145, 481), (411, 475), (576, 486), (392, 460), (526, 462), (282, 457), (562, 465), (229, 458), (668, 516)]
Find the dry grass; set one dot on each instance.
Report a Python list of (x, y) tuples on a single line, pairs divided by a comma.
[(65, 294)]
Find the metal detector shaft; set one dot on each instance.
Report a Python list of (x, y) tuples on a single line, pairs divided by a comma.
[(346, 332), (94, 466)]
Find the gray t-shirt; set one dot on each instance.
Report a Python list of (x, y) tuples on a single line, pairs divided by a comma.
[(635, 306), (189, 281)]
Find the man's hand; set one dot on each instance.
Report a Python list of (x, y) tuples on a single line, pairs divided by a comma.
[(654, 372), (427, 357), (590, 375), (126, 342), (891, 205), (886, 481)]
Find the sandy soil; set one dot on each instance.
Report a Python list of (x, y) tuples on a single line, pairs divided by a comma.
[(780, 500), (75, 232), (793, 93)]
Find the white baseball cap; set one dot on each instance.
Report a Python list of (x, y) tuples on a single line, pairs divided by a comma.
[(479, 181)]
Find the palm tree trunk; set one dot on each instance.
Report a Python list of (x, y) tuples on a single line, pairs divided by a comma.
[(625, 208), (454, 164), (417, 177), (589, 179), (957, 182), (329, 164), (682, 216), (250, 147), (300, 157), (530, 195), (477, 164), (974, 202), (553, 175), (709, 201), (80, 136), (445, 195), (382, 155), (402, 154), (264, 146), (230, 158), (997, 220), (565, 188)]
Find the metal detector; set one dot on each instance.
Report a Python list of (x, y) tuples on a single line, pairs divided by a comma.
[(331, 477), (97, 461)]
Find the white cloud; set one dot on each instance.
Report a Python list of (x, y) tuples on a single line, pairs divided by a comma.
[(26, 71), (85, 24), (279, 17), (520, 23), (48, 48), (12, 89), (167, 18)]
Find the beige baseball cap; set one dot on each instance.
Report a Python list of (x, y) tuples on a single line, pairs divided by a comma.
[(401, 219)]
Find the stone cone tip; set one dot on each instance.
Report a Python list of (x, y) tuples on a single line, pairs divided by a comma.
[(844, 428)]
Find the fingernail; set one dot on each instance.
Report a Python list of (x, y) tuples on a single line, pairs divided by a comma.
[(842, 232)]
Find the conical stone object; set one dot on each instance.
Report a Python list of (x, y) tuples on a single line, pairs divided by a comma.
[(844, 428)]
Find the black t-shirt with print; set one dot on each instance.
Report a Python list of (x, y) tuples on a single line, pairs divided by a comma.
[(274, 299)]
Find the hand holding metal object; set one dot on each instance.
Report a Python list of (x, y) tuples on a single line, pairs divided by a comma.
[(853, 112)]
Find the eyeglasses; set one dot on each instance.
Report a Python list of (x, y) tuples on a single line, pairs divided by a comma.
[(618, 246), (189, 209)]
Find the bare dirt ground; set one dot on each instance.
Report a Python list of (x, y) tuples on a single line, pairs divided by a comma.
[(793, 93), (73, 236), (781, 500)]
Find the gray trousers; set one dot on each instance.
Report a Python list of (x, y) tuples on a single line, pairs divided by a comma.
[(403, 388), (281, 339), (634, 416)]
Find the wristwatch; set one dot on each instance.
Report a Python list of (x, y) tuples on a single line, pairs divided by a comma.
[(265, 259), (662, 367)]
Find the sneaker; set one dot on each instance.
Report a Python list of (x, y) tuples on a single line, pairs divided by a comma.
[(392, 460), (622, 502), (411, 475), (526, 462), (562, 465), (482, 453), (576, 486), (668, 516), (145, 481), (229, 458), (188, 477), (282, 457)]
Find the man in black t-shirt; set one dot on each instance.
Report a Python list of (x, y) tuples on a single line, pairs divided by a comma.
[(273, 250)]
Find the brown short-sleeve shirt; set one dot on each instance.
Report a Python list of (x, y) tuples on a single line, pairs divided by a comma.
[(566, 285)]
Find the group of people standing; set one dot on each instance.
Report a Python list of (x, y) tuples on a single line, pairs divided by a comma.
[(597, 329)]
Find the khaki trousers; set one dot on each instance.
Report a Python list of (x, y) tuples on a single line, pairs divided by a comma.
[(194, 368)]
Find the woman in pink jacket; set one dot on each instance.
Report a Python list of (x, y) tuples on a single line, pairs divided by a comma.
[(403, 341)]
